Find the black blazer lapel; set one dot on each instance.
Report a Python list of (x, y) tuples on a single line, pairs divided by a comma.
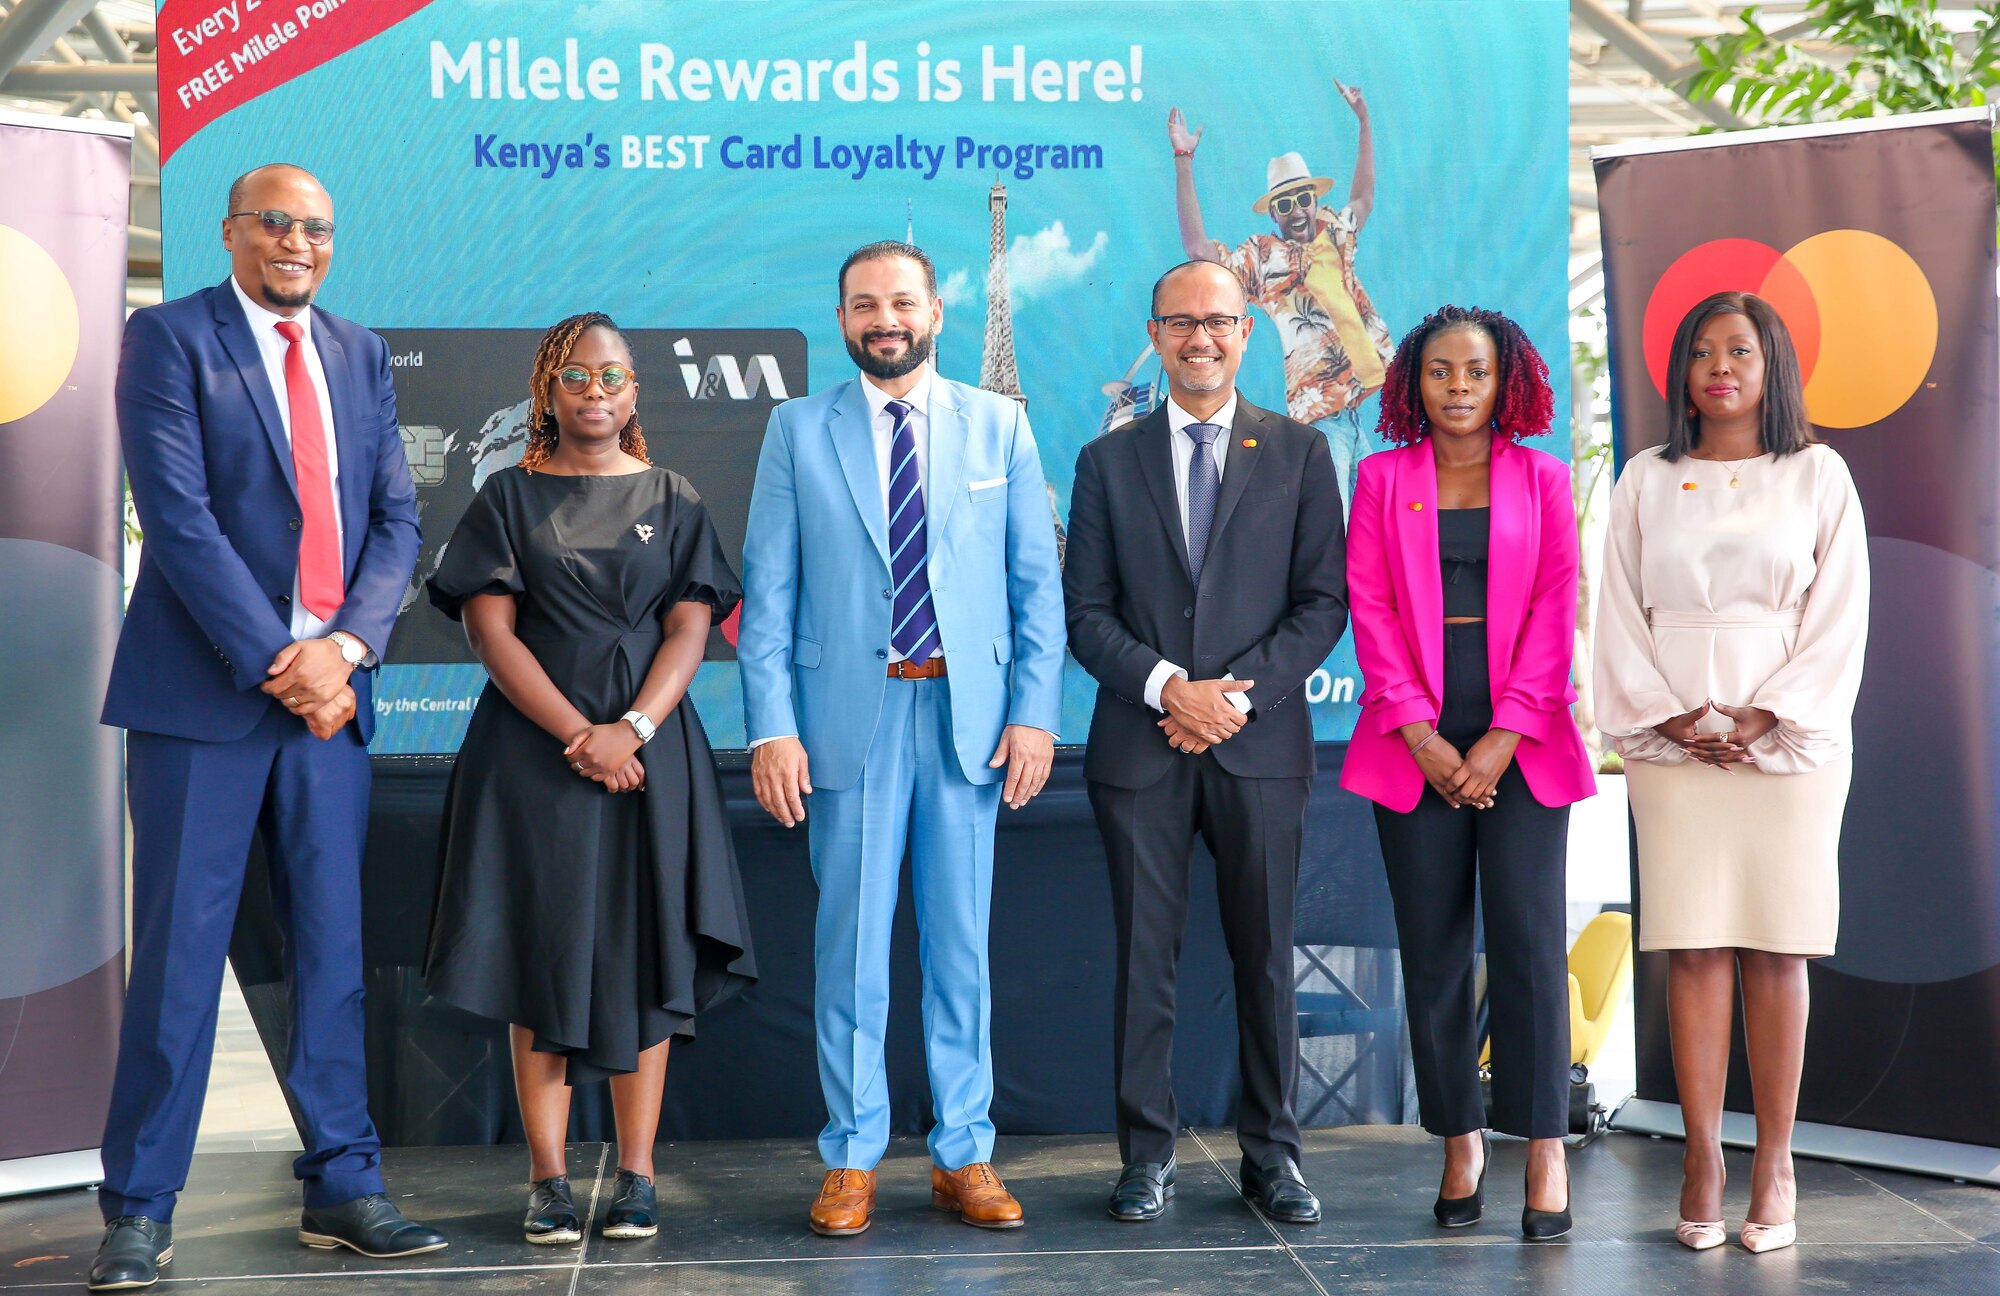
[(1156, 466)]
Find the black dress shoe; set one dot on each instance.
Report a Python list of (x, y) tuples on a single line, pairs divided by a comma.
[(1143, 1191), (1546, 1226), (1457, 1212), (635, 1212), (1280, 1191), (371, 1225), (551, 1217), (130, 1256)]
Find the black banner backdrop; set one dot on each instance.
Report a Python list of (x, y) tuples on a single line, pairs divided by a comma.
[(1875, 241), (62, 914)]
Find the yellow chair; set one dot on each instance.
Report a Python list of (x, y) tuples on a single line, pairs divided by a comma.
[(1600, 967)]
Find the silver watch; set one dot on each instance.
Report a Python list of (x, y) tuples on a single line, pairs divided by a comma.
[(352, 650), (641, 725)]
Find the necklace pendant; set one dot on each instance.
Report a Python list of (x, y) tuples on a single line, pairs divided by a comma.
[(1733, 483)]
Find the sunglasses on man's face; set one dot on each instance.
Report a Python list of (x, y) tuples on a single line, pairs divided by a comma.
[(279, 224), (1301, 200), (614, 378)]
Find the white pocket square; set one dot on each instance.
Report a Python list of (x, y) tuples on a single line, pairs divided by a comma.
[(990, 481)]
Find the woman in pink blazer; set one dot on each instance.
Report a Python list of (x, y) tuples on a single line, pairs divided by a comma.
[(1461, 576)]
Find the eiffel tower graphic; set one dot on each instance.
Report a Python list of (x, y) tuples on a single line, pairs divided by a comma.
[(997, 369)]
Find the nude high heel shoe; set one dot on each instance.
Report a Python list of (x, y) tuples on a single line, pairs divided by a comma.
[(1699, 1236), (1759, 1238)]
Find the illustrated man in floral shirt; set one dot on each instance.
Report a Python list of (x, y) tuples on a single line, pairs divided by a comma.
[(1335, 343)]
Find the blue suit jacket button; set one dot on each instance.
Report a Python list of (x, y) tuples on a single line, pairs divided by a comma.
[(1187, 612), (888, 593), (882, 654)]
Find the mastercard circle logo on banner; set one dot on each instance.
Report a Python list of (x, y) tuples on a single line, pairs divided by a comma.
[(1860, 310), (38, 326)]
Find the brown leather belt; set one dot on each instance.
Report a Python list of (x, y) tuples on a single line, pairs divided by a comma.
[(930, 668)]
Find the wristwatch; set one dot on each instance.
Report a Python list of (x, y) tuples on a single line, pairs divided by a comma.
[(352, 650), (641, 725)]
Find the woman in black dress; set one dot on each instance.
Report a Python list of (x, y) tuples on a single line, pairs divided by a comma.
[(589, 894)]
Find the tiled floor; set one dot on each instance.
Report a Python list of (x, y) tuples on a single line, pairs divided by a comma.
[(735, 1222)]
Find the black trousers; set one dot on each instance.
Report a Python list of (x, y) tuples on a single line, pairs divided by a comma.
[(1515, 852), (1253, 827)]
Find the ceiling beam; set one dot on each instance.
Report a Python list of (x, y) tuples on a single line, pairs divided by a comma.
[(1647, 55), (34, 26), (61, 80)]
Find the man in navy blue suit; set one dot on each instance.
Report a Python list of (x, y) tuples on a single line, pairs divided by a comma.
[(281, 528)]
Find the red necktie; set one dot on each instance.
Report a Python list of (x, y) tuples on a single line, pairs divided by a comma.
[(320, 580)]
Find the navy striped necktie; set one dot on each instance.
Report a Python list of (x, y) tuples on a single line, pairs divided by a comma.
[(913, 623)]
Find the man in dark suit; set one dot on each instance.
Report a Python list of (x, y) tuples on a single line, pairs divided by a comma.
[(1205, 582), (281, 527)]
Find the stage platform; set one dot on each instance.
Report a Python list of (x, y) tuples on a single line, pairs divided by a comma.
[(734, 1222)]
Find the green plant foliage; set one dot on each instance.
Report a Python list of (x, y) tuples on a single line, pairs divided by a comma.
[(1895, 56)]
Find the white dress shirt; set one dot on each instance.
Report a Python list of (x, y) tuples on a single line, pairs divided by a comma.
[(883, 423), (272, 346), (1182, 446)]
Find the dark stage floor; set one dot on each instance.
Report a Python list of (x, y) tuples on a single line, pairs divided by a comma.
[(734, 1221)]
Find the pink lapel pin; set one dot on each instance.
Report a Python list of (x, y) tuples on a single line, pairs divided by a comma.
[(1417, 505)]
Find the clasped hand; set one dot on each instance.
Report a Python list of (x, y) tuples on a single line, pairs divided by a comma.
[(310, 679), (1473, 778), (307, 675), (607, 754), (1199, 712), (1729, 747)]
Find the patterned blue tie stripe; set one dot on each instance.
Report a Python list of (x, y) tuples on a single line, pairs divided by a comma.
[(914, 619), (1204, 484)]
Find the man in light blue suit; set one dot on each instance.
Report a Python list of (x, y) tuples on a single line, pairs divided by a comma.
[(901, 650)]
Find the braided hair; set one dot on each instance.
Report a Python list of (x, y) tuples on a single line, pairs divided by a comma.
[(549, 360), (1525, 405)]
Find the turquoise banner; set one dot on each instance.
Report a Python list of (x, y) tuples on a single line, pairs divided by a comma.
[(698, 171)]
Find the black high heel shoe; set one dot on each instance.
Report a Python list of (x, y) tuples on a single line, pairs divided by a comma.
[(1546, 1226), (1457, 1212)]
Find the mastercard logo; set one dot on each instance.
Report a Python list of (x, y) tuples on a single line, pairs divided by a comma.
[(1859, 308)]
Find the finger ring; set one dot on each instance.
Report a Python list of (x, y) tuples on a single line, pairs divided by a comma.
[(291, 701), (577, 766)]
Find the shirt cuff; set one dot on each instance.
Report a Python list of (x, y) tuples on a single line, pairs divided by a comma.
[(1241, 701), (1157, 681), (755, 743)]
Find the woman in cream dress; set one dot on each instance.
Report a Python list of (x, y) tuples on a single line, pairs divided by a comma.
[(1730, 632)]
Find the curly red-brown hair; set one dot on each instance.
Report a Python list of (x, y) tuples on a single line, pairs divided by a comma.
[(1525, 406)]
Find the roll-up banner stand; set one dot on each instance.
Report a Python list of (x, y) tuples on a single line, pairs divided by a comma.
[(1875, 241), (62, 852)]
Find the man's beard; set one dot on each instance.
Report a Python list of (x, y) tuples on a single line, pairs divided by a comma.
[(279, 297), (1214, 381), (914, 354)]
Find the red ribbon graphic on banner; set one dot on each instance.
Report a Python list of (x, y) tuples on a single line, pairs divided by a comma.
[(217, 55)]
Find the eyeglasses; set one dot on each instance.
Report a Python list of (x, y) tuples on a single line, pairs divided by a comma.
[(614, 378), (1302, 199), (1213, 325), (279, 224)]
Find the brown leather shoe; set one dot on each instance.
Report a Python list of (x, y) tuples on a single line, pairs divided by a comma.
[(846, 1200), (977, 1194)]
